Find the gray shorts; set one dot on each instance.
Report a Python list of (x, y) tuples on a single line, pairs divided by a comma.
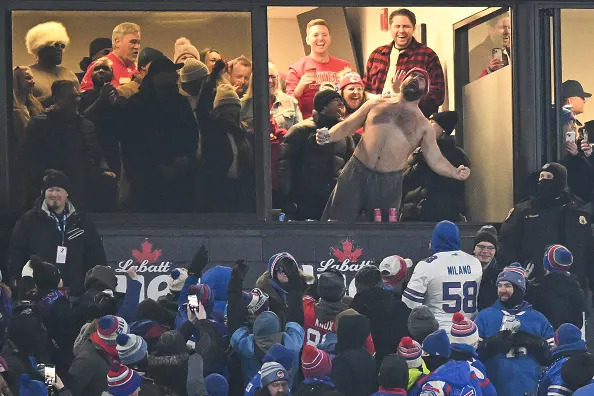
[(359, 188)]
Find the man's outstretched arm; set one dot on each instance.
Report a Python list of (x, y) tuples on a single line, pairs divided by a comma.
[(437, 161), (347, 127)]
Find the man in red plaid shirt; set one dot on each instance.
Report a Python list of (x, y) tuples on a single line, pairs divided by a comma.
[(389, 62)]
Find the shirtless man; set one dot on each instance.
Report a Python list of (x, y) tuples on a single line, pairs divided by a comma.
[(394, 127)]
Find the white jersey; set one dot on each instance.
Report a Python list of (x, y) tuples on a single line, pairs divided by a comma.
[(447, 282)]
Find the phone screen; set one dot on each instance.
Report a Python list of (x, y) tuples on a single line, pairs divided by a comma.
[(193, 301), (570, 136), (50, 374), (497, 53)]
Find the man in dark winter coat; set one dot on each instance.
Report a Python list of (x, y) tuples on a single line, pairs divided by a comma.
[(307, 171), (59, 234), (159, 140), (485, 249), (568, 343), (558, 295), (226, 156), (353, 368), (387, 314), (551, 216), (426, 195)]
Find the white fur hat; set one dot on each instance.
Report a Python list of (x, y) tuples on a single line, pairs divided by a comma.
[(45, 33)]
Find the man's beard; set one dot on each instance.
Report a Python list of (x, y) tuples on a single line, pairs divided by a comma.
[(412, 92)]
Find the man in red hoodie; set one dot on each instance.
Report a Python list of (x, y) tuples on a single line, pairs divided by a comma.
[(307, 74)]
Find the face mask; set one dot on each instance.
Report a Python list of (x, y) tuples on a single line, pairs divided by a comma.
[(546, 189), (516, 299)]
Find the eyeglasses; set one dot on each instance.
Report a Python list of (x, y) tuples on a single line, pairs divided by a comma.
[(59, 45), (485, 247)]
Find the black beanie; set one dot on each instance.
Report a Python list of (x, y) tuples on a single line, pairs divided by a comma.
[(486, 234), (147, 55), (55, 178), (323, 98), (559, 175), (393, 372), (367, 277), (331, 285), (99, 44), (446, 119), (45, 275)]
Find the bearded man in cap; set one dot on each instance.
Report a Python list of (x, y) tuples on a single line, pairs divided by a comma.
[(307, 172), (514, 338), (394, 128), (551, 216), (428, 196), (59, 234)]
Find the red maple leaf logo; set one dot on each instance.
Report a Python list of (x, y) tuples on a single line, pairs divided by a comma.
[(347, 252), (147, 253)]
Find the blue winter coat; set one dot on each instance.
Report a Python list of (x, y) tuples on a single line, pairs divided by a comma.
[(587, 390), (478, 368), (551, 381), (454, 377), (515, 375), (217, 278), (243, 342)]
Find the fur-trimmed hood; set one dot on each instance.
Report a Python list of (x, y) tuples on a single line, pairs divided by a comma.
[(45, 33)]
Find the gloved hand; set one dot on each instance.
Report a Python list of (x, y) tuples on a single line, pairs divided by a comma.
[(199, 261), (534, 344), (500, 342), (238, 273), (217, 68)]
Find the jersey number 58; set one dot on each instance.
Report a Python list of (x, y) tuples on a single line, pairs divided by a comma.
[(456, 300)]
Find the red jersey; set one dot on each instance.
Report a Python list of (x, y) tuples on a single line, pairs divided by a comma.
[(121, 73), (325, 72), (315, 331)]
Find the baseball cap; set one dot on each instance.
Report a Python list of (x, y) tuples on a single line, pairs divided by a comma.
[(572, 88)]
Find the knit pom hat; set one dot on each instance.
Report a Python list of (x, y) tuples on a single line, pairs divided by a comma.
[(463, 331), (255, 301), (331, 286), (411, 351), (109, 327), (567, 333), (394, 269), (280, 354), (193, 70), (350, 78), (315, 363), (216, 385), (437, 344), (272, 372), (122, 381), (275, 260), (267, 323), (205, 296), (421, 323), (514, 274), (131, 348), (226, 95), (45, 275), (183, 46), (557, 258), (177, 279), (44, 34)]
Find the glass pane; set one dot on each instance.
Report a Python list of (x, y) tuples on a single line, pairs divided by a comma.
[(490, 46), (142, 136)]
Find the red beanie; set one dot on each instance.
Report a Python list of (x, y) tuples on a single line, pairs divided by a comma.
[(315, 363)]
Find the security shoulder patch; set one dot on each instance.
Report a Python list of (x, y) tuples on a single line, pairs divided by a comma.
[(583, 220)]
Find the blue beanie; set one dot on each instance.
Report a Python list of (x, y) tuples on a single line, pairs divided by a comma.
[(567, 333), (280, 354), (267, 323), (557, 258), (445, 238), (131, 348), (216, 385), (272, 372), (437, 344), (514, 274)]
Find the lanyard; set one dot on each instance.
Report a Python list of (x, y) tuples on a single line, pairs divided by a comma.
[(60, 226)]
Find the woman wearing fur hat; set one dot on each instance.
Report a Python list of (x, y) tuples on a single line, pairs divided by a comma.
[(47, 42), (227, 167), (25, 104)]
